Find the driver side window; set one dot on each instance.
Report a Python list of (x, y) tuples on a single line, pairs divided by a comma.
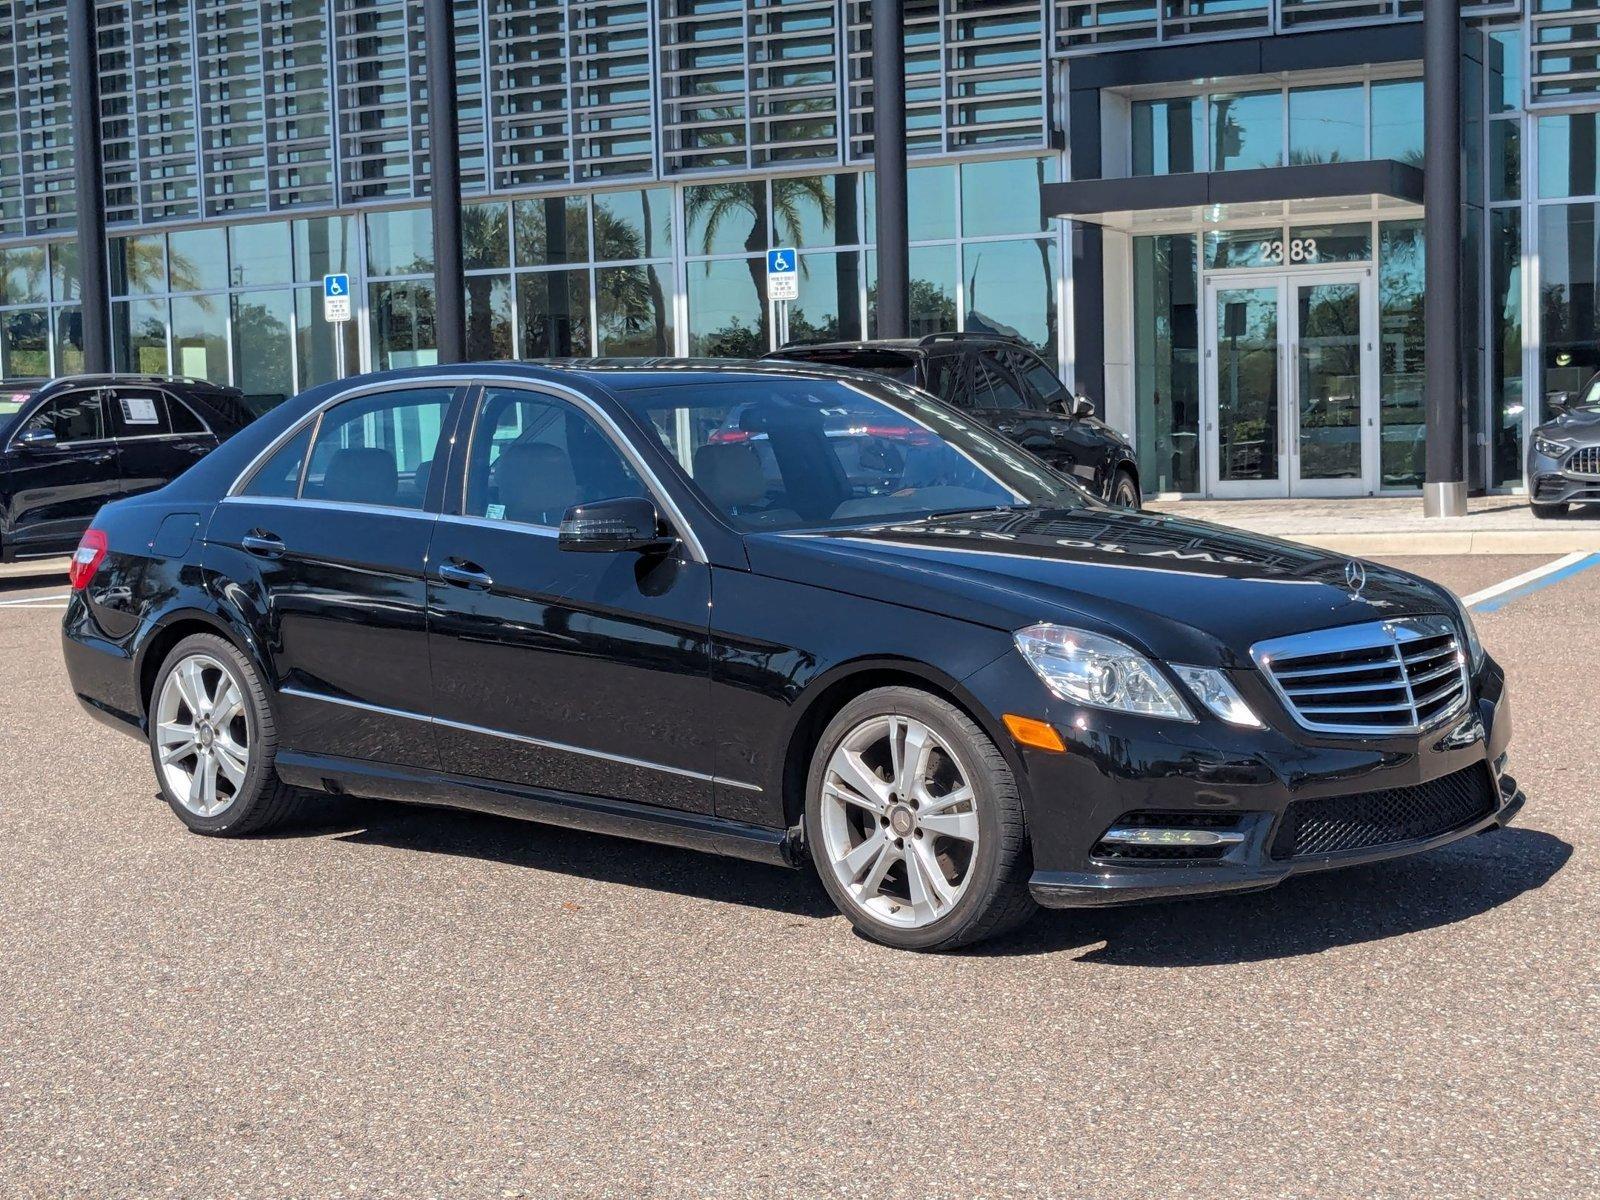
[(74, 417)]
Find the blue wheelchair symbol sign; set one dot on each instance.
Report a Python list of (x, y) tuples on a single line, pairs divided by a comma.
[(335, 285), (780, 262)]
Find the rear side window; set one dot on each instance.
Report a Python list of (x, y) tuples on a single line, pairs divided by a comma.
[(944, 379), (183, 418), (75, 417), (1041, 379), (378, 449), (993, 386), (279, 476), (138, 412)]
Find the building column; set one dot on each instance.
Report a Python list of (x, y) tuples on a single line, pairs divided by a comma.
[(1444, 493), (444, 161), (83, 64), (889, 166), (1087, 247)]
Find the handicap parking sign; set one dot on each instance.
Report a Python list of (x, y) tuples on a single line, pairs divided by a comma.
[(783, 279), (335, 298)]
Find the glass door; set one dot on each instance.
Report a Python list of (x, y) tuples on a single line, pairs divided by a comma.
[(1291, 385)]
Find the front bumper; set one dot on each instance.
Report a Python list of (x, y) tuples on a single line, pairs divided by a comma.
[(1116, 767), (1549, 482)]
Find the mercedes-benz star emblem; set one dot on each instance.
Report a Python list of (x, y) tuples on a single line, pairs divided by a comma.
[(1355, 578)]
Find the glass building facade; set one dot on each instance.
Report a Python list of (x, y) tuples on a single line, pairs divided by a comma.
[(626, 163)]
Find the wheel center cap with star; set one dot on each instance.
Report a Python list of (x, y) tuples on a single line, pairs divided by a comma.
[(902, 820)]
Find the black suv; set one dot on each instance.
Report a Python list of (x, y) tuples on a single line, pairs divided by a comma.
[(1005, 384), (70, 445)]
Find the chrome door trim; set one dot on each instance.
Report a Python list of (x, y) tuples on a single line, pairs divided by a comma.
[(385, 510), (624, 760)]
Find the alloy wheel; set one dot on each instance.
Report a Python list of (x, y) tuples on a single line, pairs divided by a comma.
[(202, 735), (899, 821)]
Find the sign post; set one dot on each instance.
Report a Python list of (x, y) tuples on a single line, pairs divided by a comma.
[(783, 285), (336, 311)]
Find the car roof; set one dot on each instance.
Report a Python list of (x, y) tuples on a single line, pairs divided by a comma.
[(618, 374)]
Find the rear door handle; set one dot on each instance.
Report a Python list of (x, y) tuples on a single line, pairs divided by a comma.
[(264, 545), (464, 575)]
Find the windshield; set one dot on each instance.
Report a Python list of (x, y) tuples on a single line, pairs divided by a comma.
[(1589, 398), (797, 454)]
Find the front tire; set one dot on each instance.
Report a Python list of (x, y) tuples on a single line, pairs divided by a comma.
[(915, 823), (1125, 492), (213, 741), (1546, 512)]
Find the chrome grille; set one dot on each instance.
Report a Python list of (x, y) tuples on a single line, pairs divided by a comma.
[(1400, 676), (1585, 460)]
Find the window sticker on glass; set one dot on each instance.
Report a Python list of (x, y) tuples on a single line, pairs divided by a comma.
[(139, 410), (495, 512)]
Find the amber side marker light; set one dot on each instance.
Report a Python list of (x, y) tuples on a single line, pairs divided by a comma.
[(1038, 734)]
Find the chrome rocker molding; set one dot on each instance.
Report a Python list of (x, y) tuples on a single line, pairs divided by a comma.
[(301, 694), (619, 818)]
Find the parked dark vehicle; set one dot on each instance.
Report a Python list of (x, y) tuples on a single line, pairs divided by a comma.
[(70, 445), (1564, 454), (560, 593), (1005, 384)]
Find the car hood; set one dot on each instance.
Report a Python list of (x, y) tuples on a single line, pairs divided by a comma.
[(1581, 427), (1184, 590)]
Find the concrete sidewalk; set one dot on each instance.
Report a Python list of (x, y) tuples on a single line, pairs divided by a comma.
[(1395, 525), (53, 570)]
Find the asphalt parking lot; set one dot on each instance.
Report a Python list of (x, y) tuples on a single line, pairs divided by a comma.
[(408, 1003)]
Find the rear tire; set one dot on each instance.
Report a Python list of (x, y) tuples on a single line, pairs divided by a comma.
[(915, 823), (213, 741), (1546, 512), (1125, 491)]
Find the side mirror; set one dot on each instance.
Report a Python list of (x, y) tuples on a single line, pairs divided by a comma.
[(37, 439), (1082, 406), (1559, 402), (608, 526)]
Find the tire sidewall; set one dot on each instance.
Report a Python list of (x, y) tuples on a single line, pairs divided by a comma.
[(986, 867), (258, 773), (1123, 484)]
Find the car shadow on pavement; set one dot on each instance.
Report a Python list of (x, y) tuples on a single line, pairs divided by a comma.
[(1308, 914), (569, 852)]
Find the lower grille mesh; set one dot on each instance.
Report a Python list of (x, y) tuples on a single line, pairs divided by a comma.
[(1408, 814)]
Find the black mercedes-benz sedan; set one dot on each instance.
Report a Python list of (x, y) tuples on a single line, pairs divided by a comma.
[(958, 685)]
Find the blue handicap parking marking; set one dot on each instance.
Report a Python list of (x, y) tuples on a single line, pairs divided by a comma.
[(336, 285), (780, 262)]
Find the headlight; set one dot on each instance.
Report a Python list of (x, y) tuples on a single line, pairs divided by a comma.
[(1470, 631), (1216, 691), (1101, 672), (1550, 449)]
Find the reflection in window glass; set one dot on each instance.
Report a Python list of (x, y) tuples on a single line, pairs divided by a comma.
[(933, 290), (489, 318), (635, 311), (280, 475), (1168, 136), (317, 341), (138, 265), (1568, 162), (1505, 344), (403, 325), (1003, 196), (262, 356), (725, 218), (69, 341), (829, 306), (200, 337), (1247, 131), (400, 243), (1504, 68), (1570, 332), (1505, 160), (1166, 291), (554, 307), (22, 275), (930, 203), (1397, 121), (1402, 363), (139, 336), (261, 254), (485, 236), (816, 210), (1327, 124), (1011, 289), (197, 260), (634, 224), (1243, 248), (25, 343), (552, 230), (64, 279), (322, 246), (728, 308)]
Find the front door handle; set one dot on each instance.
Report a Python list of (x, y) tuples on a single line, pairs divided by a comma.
[(264, 545), (464, 575)]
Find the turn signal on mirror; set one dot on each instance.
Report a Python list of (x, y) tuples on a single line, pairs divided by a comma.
[(1039, 734)]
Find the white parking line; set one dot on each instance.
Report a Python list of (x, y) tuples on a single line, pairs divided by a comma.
[(31, 601), (1517, 582)]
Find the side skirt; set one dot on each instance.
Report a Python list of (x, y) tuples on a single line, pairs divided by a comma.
[(619, 818)]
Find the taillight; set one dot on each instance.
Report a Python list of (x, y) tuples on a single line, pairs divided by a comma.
[(86, 561)]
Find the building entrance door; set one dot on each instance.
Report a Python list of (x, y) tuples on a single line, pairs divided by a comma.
[(1291, 384)]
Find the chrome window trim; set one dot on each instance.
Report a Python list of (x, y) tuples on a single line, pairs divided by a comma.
[(517, 737), (548, 531), (1371, 635), (383, 510)]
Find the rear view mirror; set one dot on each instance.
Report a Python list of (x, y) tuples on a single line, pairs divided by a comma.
[(36, 439), (609, 526)]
